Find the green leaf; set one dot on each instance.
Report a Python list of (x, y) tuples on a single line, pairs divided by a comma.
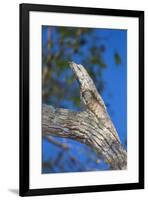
[(117, 58)]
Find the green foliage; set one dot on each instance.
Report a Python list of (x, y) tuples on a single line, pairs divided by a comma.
[(117, 58), (65, 44), (59, 87)]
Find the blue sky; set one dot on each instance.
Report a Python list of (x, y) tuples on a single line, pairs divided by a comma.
[(115, 80)]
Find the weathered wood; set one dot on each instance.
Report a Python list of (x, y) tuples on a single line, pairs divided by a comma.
[(92, 126)]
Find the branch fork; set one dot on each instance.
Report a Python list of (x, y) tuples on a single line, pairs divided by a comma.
[(92, 126)]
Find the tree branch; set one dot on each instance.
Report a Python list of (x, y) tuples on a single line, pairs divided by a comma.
[(92, 127), (56, 142)]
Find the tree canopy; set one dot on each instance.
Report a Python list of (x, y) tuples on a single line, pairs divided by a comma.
[(93, 48)]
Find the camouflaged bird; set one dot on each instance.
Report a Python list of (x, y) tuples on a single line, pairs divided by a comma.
[(91, 98)]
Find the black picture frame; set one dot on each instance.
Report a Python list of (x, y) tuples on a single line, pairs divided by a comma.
[(24, 189)]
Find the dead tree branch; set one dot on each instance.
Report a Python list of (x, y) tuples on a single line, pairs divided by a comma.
[(92, 126)]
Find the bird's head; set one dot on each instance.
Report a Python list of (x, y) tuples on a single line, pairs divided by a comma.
[(85, 81), (81, 75)]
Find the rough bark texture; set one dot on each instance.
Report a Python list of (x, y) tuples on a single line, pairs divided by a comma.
[(92, 126)]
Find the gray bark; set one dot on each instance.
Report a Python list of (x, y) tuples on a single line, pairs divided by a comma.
[(92, 126)]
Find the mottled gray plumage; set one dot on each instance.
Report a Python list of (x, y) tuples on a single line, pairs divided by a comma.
[(91, 98)]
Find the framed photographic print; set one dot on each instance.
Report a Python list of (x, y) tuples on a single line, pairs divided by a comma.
[(81, 99)]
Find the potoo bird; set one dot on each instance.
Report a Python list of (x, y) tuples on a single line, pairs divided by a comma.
[(91, 99)]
